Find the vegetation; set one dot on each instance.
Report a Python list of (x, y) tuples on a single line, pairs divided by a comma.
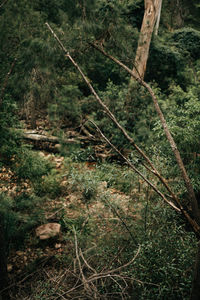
[(125, 234)]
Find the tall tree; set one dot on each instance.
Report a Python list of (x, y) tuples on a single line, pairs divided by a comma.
[(152, 8)]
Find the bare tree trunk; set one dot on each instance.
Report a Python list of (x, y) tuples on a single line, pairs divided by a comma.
[(148, 23), (158, 18)]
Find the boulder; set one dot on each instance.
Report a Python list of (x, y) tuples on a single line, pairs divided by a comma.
[(48, 231)]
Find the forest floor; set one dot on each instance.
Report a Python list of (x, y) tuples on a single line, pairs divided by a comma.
[(94, 210), (116, 238)]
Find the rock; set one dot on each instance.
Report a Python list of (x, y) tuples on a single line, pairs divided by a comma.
[(9, 267), (57, 246), (48, 231), (19, 253)]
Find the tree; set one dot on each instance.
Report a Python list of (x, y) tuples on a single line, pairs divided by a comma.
[(152, 9)]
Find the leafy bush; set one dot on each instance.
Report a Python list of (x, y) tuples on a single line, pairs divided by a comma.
[(30, 165), (184, 123), (48, 185), (188, 39), (84, 182), (166, 259), (10, 139), (66, 109), (20, 214)]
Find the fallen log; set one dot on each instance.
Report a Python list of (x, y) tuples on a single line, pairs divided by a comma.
[(34, 136), (50, 143)]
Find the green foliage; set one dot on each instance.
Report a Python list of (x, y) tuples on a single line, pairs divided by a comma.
[(30, 165), (83, 155), (165, 262), (20, 214), (48, 185), (9, 137), (183, 118), (166, 63), (188, 40), (86, 183), (118, 177), (67, 109)]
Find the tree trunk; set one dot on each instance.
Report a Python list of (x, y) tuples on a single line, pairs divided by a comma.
[(158, 18), (3, 264), (148, 23)]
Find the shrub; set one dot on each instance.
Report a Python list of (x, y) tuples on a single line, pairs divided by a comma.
[(30, 165)]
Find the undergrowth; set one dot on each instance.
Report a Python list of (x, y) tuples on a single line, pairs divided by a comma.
[(112, 220)]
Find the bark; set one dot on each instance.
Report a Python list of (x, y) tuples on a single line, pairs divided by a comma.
[(35, 136), (158, 18), (148, 23)]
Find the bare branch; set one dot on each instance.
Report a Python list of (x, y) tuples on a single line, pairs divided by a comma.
[(114, 120), (194, 223), (3, 3), (135, 169), (172, 143)]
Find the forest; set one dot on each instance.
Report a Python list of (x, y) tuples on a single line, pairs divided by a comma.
[(99, 149)]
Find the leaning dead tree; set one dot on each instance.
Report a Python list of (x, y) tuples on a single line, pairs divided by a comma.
[(193, 221), (188, 184)]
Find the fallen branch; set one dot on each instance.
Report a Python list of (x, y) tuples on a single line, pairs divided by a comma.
[(88, 283), (193, 223), (172, 143), (135, 169)]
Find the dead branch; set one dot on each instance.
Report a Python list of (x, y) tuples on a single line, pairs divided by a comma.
[(34, 136), (88, 283), (3, 3), (172, 143), (193, 223), (114, 120), (84, 280), (135, 169)]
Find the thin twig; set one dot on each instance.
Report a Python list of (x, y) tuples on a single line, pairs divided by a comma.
[(134, 168), (3, 3)]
